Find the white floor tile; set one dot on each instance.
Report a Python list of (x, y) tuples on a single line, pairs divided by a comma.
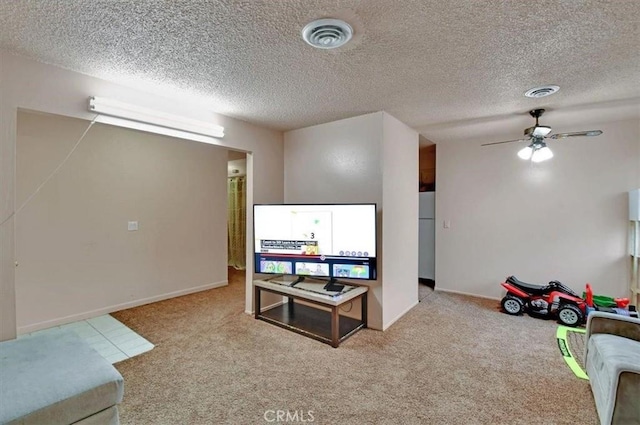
[(84, 329), (85, 332), (134, 351), (105, 323), (116, 332), (132, 343), (121, 339), (116, 357), (109, 351), (105, 347), (109, 337)]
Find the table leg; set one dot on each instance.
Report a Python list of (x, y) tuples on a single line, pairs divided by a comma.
[(291, 304), (256, 300), (363, 312), (335, 327)]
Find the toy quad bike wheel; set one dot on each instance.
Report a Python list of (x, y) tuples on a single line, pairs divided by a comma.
[(512, 305), (570, 315)]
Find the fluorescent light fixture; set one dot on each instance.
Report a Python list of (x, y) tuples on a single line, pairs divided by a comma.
[(525, 153), (541, 154), (156, 129), (151, 118)]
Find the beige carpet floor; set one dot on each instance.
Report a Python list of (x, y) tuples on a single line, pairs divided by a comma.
[(451, 360)]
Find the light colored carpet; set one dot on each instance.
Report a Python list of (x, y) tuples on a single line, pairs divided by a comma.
[(451, 360)]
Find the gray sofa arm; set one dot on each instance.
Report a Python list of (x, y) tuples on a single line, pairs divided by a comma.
[(600, 322)]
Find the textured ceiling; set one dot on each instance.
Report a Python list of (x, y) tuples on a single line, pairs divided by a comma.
[(436, 65)]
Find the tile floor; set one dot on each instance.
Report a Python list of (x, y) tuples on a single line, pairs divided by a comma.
[(109, 337)]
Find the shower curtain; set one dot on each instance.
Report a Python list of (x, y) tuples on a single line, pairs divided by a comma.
[(236, 222)]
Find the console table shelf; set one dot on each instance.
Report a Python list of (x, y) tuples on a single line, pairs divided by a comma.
[(326, 326)]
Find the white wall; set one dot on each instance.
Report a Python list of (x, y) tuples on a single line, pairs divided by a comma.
[(399, 219), (564, 219), (335, 162), (339, 162), (35, 86), (370, 158), (237, 167)]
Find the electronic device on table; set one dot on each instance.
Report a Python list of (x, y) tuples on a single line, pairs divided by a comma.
[(330, 241)]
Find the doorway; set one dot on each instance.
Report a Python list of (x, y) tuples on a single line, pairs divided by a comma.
[(237, 216), (426, 218)]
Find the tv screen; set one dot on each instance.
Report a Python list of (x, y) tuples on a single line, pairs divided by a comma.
[(323, 240)]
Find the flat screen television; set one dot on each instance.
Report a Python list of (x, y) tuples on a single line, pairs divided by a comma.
[(321, 240)]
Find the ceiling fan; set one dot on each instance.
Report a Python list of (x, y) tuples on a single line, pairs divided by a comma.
[(537, 150)]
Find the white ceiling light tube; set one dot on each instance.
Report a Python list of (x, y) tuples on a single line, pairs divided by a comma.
[(117, 109)]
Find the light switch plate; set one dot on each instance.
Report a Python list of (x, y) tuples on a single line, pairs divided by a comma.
[(132, 225)]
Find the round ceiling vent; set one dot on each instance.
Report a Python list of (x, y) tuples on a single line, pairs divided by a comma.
[(327, 33), (541, 91)]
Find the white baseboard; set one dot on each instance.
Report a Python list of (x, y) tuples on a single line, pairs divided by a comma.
[(386, 326), (452, 291), (276, 304), (110, 309)]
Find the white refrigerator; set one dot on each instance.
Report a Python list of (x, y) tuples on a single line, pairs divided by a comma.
[(427, 236)]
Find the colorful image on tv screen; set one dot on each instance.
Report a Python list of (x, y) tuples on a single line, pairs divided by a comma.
[(356, 271), (320, 270), (283, 267)]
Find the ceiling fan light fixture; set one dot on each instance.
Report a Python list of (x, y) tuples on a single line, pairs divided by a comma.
[(537, 131), (541, 154), (525, 153)]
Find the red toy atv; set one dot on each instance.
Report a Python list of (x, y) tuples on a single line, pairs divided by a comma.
[(552, 300)]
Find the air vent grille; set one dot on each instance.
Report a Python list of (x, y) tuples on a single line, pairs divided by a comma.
[(327, 33), (541, 91)]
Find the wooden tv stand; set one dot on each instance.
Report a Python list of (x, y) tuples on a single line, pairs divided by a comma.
[(325, 326)]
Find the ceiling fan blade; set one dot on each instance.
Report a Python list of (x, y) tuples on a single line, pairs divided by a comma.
[(507, 141), (575, 134)]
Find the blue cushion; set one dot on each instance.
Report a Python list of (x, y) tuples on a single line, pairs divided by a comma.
[(55, 377)]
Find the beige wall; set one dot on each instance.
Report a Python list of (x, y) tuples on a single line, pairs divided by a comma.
[(399, 219), (38, 87), (77, 258), (564, 219), (370, 158)]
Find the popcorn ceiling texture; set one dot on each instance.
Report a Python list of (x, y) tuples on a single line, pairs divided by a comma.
[(426, 62)]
